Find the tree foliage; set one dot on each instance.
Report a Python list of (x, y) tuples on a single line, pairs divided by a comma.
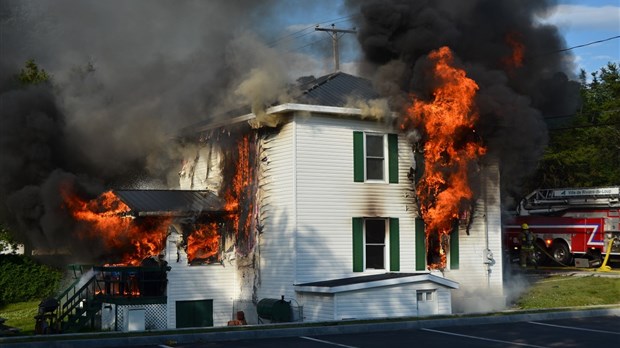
[(585, 152), (23, 279), (31, 74)]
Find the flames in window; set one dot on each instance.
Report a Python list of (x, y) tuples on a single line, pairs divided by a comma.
[(450, 148)]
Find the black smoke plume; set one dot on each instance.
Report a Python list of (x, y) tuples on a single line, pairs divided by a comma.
[(125, 76), (397, 35)]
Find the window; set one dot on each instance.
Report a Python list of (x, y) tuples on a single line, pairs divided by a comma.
[(425, 295), (376, 244), (375, 157), (375, 161)]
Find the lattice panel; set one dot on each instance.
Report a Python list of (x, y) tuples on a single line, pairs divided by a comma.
[(155, 316)]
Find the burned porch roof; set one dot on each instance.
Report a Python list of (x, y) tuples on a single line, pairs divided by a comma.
[(170, 202)]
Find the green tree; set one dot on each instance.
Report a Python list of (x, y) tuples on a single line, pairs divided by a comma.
[(586, 151), (31, 74)]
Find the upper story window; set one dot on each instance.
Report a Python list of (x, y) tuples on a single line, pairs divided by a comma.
[(375, 157)]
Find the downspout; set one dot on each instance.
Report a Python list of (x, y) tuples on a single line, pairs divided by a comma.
[(488, 254)]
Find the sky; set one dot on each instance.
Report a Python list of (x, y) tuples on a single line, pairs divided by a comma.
[(580, 21)]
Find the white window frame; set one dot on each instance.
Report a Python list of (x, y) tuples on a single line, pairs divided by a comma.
[(386, 245), (385, 158), (425, 295)]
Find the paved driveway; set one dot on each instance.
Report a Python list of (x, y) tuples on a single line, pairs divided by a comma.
[(580, 332)]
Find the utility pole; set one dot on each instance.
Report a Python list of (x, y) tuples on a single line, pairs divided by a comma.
[(336, 34)]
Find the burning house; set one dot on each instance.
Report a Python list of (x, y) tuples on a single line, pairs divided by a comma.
[(320, 209), (329, 216), (349, 199)]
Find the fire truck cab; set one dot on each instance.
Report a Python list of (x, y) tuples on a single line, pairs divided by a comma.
[(568, 223)]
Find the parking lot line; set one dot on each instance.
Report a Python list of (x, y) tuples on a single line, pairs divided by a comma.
[(326, 342), (574, 328), (483, 338)]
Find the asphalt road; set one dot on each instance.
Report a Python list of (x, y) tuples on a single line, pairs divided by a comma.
[(585, 332)]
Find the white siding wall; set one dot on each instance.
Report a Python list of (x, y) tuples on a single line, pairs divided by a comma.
[(277, 214), (390, 301), (327, 198), (317, 306), (481, 291), (207, 282)]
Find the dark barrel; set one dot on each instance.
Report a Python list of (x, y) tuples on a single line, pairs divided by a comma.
[(276, 310)]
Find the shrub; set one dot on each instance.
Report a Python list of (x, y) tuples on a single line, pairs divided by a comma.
[(23, 279)]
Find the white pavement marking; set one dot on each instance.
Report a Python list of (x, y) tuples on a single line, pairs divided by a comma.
[(483, 338), (326, 342), (574, 328)]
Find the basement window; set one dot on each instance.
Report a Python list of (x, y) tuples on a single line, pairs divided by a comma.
[(425, 295)]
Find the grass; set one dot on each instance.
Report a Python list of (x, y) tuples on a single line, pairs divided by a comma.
[(564, 291), (21, 315)]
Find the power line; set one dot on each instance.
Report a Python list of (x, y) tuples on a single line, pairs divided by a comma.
[(578, 46), (286, 37)]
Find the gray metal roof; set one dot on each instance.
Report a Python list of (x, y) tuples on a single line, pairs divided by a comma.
[(335, 90), (170, 202), (359, 279)]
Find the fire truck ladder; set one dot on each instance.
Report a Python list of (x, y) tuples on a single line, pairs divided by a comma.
[(546, 201)]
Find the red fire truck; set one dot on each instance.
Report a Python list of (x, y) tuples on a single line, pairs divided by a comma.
[(568, 223)]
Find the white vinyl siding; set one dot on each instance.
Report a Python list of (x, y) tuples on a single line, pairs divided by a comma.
[(378, 302), (207, 282), (327, 197), (277, 214), (481, 290), (317, 307)]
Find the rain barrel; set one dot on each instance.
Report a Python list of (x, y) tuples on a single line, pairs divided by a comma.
[(275, 310)]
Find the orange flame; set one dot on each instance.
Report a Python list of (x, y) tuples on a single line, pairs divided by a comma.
[(450, 146), (102, 218), (518, 49), (239, 200), (204, 242)]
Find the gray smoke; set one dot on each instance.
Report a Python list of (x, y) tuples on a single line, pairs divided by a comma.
[(126, 76), (396, 36)]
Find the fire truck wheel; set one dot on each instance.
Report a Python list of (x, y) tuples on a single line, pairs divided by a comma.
[(561, 253)]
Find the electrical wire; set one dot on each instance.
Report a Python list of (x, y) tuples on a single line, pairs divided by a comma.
[(288, 36)]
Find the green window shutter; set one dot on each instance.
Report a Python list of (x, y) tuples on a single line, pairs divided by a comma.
[(358, 244), (394, 245), (454, 246), (393, 158), (420, 245), (358, 156)]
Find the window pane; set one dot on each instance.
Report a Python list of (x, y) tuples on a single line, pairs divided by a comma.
[(429, 296), (374, 256), (374, 168), (374, 145), (375, 231), (420, 296)]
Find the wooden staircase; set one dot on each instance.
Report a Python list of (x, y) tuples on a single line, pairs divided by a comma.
[(79, 304)]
